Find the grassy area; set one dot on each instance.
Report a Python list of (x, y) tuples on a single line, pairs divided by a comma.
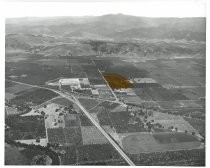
[(65, 136), (85, 121), (88, 103), (194, 157), (91, 135), (97, 153), (164, 138), (121, 120), (69, 156), (13, 156), (14, 89), (62, 101), (29, 127), (199, 125), (158, 142), (33, 96)]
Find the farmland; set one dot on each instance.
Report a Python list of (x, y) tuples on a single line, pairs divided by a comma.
[(30, 127), (97, 153), (183, 157), (199, 125), (140, 143), (64, 137), (88, 103), (139, 79), (71, 131)]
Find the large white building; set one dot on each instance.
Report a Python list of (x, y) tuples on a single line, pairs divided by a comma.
[(144, 80), (72, 82)]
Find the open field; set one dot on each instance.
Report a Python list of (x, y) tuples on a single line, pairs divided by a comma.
[(9, 84), (120, 121), (193, 93), (194, 157), (159, 94), (88, 103), (33, 96), (65, 136), (62, 101), (91, 135), (145, 142), (13, 156), (30, 127), (85, 121), (9, 96), (69, 157), (17, 88), (103, 116), (29, 72), (72, 120), (168, 120), (118, 67), (97, 153), (199, 125), (93, 75)]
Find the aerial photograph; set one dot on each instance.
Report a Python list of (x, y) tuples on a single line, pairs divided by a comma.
[(105, 85)]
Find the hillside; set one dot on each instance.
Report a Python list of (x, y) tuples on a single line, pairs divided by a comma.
[(108, 34)]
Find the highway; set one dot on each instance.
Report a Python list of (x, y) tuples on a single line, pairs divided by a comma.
[(73, 99), (114, 144)]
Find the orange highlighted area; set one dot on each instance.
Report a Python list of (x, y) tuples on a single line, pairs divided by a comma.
[(117, 81)]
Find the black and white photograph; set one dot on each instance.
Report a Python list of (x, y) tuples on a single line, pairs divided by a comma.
[(110, 83)]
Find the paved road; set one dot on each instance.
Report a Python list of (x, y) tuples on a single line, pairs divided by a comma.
[(72, 98), (117, 100)]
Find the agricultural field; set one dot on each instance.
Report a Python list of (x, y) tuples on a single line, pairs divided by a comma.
[(85, 121), (22, 154), (193, 93), (159, 94), (118, 67), (88, 103), (102, 114), (15, 89), (121, 122), (199, 125), (145, 142), (62, 101), (9, 84), (23, 128), (169, 120), (72, 120), (33, 96), (29, 72), (93, 75), (64, 136), (91, 135), (116, 81), (68, 156), (97, 153), (193, 157), (13, 156)]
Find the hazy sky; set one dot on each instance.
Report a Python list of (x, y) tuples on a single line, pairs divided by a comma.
[(143, 8)]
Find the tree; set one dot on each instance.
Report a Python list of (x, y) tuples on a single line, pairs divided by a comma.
[(42, 113)]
